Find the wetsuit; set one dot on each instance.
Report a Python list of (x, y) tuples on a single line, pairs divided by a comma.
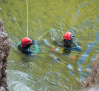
[(70, 45)]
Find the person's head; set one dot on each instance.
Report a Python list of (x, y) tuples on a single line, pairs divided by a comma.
[(68, 39), (26, 41)]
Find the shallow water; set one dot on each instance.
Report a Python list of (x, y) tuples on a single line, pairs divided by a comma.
[(42, 72)]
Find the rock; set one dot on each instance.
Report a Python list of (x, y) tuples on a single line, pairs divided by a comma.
[(5, 46), (2, 89), (92, 82)]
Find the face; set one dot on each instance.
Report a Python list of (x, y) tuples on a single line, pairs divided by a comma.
[(67, 42)]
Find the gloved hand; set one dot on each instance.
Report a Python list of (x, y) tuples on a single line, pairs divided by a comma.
[(34, 42)]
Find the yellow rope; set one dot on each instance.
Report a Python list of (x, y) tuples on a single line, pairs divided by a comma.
[(27, 16)]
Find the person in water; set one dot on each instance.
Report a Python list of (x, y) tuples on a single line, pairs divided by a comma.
[(67, 42), (25, 44)]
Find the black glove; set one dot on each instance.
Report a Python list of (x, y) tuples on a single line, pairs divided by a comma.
[(34, 42)]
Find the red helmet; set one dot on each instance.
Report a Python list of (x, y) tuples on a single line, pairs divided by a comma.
[(25, 41), (67, 36)]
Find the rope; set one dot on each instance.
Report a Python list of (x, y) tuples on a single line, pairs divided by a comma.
[(27, 23), (62, 32), (47, 32), (27, 16), (43, 34)]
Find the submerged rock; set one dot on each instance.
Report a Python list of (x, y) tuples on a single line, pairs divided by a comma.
[(5, 46), (92, 82)]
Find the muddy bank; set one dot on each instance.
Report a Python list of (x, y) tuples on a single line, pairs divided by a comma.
[(5, 46), (92, 82)]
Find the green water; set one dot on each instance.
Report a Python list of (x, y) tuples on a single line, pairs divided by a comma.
[(42, 72)]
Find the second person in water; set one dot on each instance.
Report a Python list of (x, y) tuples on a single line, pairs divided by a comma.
[(67, 42)]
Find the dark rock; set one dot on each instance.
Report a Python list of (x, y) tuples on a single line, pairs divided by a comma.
[(5, 46)]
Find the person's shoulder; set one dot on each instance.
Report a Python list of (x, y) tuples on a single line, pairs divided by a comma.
[(77, 46)]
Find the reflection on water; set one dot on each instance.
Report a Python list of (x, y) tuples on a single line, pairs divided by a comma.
[(86, 53), (45, 70)]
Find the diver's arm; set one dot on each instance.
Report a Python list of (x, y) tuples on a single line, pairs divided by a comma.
[(76, 47), (47, 43), (58, 42)]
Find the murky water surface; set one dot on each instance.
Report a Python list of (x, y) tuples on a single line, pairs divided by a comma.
[(43, 72)]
